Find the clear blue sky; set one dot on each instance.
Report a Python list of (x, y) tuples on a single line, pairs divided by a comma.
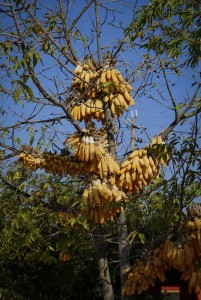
[(151, 114)]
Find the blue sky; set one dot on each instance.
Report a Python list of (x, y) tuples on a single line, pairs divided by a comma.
[(151, 114)]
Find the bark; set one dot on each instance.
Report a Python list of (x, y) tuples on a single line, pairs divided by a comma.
[(124, 258), (98, 238), (104, 274)]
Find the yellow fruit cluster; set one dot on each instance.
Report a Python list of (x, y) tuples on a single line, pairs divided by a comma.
[(72, 140), (100, 192), (141, 277), (99, 161), (177, 255), (97, 88), (100, 201), (107, 166), (87, 150), (55, 164), (102, 213), (195, 233), (85, 75), (195, 282), (139, 169), (88, 110), (180, 254), (64, 256)]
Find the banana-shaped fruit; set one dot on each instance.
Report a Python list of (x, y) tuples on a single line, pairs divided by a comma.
[(78, 69)]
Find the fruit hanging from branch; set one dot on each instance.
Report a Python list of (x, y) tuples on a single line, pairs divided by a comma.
[(180, 252), (96, 87), (141, 167), (101, 201), (88, 149)]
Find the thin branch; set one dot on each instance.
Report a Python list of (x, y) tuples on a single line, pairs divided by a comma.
[(53, 120), (169, 90), (98, 32), (14, 188), (45, 31), (66, 33), (9, 148), (80, 15), (184, 114)]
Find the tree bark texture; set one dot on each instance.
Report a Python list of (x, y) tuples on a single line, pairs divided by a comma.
[(106, 286), (124, 257)]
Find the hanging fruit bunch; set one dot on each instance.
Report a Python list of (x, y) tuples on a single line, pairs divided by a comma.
[(140, 168), (181, 253), (56, 164), (95, 87), (85, 148), (101, 201), (64, 256), (93, 151)]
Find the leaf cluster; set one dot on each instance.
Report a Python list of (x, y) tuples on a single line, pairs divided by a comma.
[(171, 27)]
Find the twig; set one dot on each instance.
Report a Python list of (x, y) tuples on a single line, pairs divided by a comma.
[(98, 32), (45, 31), (66, 33), (80, 15)]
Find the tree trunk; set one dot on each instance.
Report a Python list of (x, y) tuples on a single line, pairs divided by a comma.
[(124, 258), (106, 286)]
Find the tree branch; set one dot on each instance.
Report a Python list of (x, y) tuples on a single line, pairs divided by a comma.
[(53, 120), (80, 15), (66, 33), (98, 32), (68, 57), (184, 114), (168, 88), (14, 188)]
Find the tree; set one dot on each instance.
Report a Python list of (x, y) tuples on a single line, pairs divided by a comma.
[(54, 70), (171, 27)]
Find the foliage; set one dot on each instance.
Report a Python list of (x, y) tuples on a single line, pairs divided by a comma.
[(171, 27), (33, 233)]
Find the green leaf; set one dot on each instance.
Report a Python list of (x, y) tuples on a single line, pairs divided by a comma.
[(141, 237), (17, 140), (51, 248), (46, 186), (75, 35), (180, 106), (26, 90), (17, 93), (132, 235), (83, 39)]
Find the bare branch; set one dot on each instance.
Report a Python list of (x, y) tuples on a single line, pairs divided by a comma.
[(80, 15), (185, 114), (98, 32), (66, 33), (18, 124), (51, 99), (168, 88), (45, 31)]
